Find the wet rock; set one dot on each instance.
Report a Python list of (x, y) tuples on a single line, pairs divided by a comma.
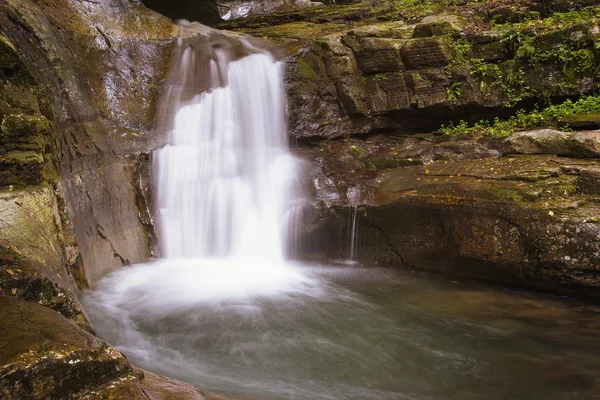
[(548, 141), (45, 356), (417, 70), (37, 257), (460, 209)]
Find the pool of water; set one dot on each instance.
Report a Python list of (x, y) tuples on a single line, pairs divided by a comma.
[(346, 333)]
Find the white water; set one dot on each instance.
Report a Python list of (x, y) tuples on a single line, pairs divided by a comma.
[(225, 183), (223, 180)]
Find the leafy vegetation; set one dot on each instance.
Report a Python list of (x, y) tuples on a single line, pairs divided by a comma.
[(453, 94), (547, 117), (555, 21)]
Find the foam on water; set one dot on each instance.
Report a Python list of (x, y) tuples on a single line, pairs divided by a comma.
[(224, 179), (225, 184)]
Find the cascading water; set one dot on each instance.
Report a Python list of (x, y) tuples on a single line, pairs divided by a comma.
[(222, 181), (225, 182), (353, 233)]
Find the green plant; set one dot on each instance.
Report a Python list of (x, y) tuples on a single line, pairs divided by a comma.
[(478, 68), (453, 93), (460, 54), (548, 116), (356, 152)]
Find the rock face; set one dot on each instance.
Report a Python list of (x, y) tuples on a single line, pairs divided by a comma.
[(489, 210), (100, 65), (355, 70), (231, 9), (212, 11), (404, 81)]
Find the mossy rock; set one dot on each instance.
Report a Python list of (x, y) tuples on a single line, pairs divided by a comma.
[(21, 168), (17, 280), (580, 121), (43, 355), (424, 53), (9, 59), (17, 126), (438, 25)]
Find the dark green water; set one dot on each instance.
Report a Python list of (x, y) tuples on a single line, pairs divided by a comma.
[(350, 333)]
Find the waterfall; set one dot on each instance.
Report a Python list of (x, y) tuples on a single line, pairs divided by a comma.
[(224, 177), (353, 233)]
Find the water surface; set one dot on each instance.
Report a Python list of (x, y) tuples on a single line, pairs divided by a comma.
[(346, 333)]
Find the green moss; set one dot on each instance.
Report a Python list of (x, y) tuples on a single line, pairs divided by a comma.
[(460, 54), (305, 70), (8, 55), (356, 152), (547, 117), (555, 21), (15, 126), (384, 163)]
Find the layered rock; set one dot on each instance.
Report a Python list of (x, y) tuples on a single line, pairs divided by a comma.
[(502, 210), (412, 69)]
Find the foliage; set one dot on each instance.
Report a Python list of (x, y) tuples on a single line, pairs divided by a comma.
[(548, 116), (356, 152), (555, 21), (453, 93)]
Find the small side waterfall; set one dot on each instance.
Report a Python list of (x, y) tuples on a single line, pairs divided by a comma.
[(224, 178), (353, 233)]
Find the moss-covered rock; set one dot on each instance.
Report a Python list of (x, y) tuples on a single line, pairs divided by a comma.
[(548, 141), (45, 356), (580, 122), (504, 56), (459, 207)]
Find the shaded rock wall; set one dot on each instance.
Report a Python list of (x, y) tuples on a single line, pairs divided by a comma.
[(501, 211), (101, 65)]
